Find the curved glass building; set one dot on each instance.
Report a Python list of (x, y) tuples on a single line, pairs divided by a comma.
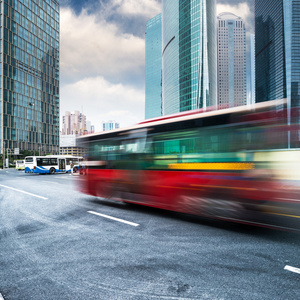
[(189, 55), (153, 68)]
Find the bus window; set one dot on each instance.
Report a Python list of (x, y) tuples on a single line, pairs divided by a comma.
[(29, 159)]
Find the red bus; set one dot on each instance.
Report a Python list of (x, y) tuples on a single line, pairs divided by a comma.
[(222, 164)]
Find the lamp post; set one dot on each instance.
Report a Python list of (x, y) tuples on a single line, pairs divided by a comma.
[(8, 155), (3, 154)]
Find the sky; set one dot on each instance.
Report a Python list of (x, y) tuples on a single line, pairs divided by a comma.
[(102, 56)]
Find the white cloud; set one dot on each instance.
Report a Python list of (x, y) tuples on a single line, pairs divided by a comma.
[(91, 47), (98, 62), (147, 8), (101, 100)]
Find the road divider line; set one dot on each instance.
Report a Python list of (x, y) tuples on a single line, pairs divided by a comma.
[(1, 297), (113, 218), (20, 191), (292, 269)]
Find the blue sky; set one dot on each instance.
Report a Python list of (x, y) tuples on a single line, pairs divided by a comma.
[(102, 55)]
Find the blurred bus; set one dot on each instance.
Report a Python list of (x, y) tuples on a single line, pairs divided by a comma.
[(50, 164), (20, 164), (229, 164)]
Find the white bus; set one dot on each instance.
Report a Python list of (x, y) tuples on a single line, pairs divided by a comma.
[(20, 164), (50, 164)]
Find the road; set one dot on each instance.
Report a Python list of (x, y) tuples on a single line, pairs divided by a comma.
[(56, 243)]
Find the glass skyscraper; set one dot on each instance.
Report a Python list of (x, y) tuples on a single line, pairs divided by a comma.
[(153, 90), (189, 55), (277, 48), (29, 75)]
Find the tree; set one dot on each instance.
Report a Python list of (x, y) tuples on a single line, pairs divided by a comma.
[(25, 153)]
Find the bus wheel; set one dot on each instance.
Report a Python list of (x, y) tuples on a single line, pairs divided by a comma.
[(52, 171)]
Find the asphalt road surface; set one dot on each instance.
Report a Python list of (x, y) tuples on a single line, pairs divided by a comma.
[(56, 243)]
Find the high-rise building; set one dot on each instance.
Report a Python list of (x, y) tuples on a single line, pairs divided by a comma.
[(277, 44), (74, 123), (189, 55), (277, 48), (153, 39), (110, 125), (252, 70), (89, 127), (29, 75), (68, 146), (232, 77)]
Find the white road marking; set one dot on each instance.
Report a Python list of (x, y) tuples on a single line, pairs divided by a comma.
[(1, 297), (23, 193), (113, 218), (292, 269)]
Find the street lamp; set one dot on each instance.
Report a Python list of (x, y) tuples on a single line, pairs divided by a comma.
[(3, 154), (8, 154)]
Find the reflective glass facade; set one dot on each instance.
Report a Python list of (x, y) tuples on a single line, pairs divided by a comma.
[(270, 50), (153, 38), (292, 46), (189, 73), (251, 99), (170, 57), (29, 75), (277, 47)]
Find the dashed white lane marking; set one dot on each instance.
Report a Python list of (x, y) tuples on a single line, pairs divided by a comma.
[(292, 269), (8, 187), (113, 218), (1, 298)]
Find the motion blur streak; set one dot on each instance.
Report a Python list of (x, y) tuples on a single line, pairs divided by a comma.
[(238, 163)]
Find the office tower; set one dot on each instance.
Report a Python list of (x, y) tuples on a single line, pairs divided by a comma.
[(153, 39), (68, 146), (29, 75), (74, 123), (110, 125), (252, 70), (277, 44), (89, 127), (232, 77), (189, 55)]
